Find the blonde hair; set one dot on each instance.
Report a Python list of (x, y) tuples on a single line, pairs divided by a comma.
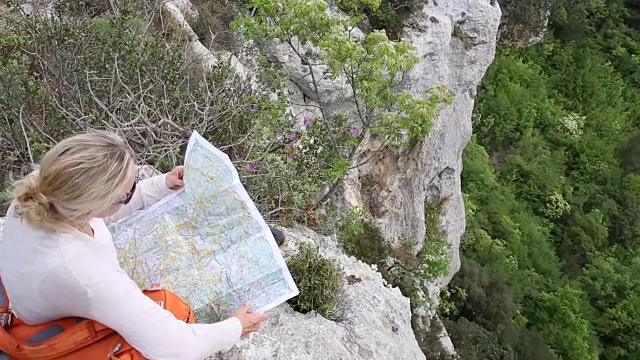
[(79, 177)]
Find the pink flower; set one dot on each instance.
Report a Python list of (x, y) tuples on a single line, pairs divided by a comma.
[(253, 110), (248, 167), (269, 117), (353, 132), (307, 120), (291, 136)]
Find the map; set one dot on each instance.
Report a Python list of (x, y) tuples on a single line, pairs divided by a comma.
[(206, 242)]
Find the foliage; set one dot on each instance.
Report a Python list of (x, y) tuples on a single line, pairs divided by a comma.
[(474, 343), (388, 15), (319, 281), (211, 24), (435, 255), (614, 290), (132, 74), (371, 65), (486, 298), (559, 318), (552, 194), (412, 267), (362, 239), (402, 265)]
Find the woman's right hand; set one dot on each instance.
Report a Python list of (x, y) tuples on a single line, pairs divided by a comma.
[(250, 321)]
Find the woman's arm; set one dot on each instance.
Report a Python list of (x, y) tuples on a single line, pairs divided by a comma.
[(148, 192), (118, 303)]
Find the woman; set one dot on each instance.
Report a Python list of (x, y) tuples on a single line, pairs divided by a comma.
[(57, 258)]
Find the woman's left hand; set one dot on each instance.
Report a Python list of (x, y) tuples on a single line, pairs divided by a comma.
[(175, 178)]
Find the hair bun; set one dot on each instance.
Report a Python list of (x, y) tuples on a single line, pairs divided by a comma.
[(31, 194), (39, 198), (31, 202)]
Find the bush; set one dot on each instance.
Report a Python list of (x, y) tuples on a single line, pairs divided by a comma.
[(132, 74), (319, 282), (388, 15), (363, 240), (472, 341), (211, 25), (486, 299)]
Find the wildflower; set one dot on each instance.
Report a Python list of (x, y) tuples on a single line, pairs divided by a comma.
[(291, 136), (353, 132), (269, 117), (253, 110), (307, 120), (248, 167)]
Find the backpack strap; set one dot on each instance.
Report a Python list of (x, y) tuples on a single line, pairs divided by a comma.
[(6, 316), (80, 335), (77, 337)]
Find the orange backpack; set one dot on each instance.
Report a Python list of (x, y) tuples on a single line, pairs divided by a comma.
[(75, 338)]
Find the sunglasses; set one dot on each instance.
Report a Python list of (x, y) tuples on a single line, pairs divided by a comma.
[(129, 195)]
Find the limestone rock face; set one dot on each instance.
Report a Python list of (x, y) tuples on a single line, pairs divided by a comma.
[(455, 41), (375, 325)]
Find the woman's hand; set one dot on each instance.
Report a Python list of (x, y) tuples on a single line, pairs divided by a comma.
[(175, 178), (250, 321)]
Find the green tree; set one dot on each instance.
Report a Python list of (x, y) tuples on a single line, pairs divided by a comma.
[(487, 299), (473, 342), (558, 316), (613, 289)]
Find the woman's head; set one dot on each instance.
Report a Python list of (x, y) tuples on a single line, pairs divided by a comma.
[(84, 176)]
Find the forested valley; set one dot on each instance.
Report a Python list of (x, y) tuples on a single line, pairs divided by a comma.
[(551, 257)]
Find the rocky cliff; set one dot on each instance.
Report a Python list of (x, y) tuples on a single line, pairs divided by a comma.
[(456, 43), (376, 320)]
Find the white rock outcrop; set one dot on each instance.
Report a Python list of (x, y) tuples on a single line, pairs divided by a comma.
[(456, 42), (430, 172), (376, 324), (523, 23), (178, 10)]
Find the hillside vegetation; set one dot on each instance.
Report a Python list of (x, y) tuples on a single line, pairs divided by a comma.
[(552, 184)]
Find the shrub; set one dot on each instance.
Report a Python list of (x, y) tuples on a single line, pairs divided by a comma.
[(481, 296), (389, 15), (362, 239), (132, 74), (431, 261), (472, 341), (403, 265), (211, 24), (319, 282), (435, 254)]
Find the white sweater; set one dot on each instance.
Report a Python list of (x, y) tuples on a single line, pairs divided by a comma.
[(54, 275)]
